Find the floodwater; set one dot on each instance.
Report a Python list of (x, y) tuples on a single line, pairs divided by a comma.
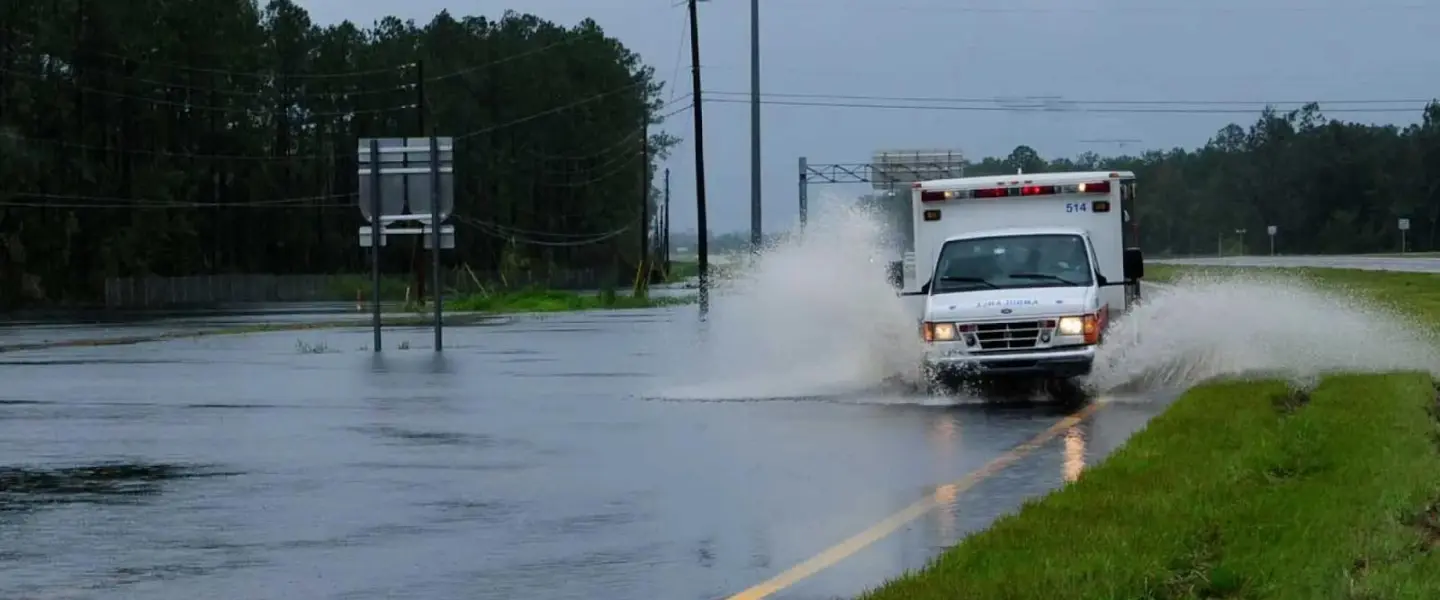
[(534, 459)]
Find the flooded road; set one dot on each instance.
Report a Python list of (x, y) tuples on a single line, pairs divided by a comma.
[(537, 459)]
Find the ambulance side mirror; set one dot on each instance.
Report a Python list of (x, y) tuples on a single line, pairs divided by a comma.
[(1134, 264)]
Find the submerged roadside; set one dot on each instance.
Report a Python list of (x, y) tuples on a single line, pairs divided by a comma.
[(473, 310)]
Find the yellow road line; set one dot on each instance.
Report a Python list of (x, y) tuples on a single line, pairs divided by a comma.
[(890, 524)]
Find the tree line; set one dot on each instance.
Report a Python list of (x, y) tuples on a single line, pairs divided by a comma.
[(1328, 186), (167, 137)]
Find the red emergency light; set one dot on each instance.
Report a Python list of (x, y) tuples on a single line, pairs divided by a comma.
[(1097, 187)]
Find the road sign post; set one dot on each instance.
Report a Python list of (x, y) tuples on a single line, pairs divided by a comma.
[(375, 247), (388, 181), (1404, 227), (1271, 232)]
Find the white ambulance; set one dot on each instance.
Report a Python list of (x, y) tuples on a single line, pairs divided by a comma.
[(1018, 276)]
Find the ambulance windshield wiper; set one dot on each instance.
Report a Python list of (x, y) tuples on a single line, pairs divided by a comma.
[(955, 279), (1043, 276)]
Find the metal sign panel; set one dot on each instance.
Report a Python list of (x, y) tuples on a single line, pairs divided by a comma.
[(892, 167), (405, 176), (1404, 224), (1271, 230)]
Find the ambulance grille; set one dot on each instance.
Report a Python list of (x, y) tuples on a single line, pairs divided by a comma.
[(1008, 335)]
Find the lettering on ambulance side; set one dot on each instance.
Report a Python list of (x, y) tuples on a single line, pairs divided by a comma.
[(1007, 302)]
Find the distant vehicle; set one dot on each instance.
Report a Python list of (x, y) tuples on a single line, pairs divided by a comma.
[(1019, 276)]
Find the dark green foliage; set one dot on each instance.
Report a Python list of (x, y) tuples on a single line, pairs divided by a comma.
[(218, 136), (1329, 186)]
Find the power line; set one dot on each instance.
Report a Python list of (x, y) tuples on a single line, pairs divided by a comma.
[(500, 61), (318, 156), (302, 91), (624, 140), (512, 235), (623, 163), (1042, 99), (538, 233), (1201, 111), (1133, 9), (99, 202), (679, 51), (551, 111), (196, 106), (167, 154), (678, 110), (262, 73)]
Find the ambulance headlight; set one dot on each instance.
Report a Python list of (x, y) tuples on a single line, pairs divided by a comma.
[(1071, 326)]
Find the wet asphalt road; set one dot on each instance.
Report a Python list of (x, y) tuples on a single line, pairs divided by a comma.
[(538, 458)]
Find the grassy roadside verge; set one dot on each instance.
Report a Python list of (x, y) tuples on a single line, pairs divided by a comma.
[(1417, 294), (532, 301), (1239, 490)]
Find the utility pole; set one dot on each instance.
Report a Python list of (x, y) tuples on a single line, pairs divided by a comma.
[(417, 262), (645, 225), (755, 221), (665, 245), (703, 245)]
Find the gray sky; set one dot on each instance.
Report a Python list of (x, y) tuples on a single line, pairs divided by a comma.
[(1243, 51)]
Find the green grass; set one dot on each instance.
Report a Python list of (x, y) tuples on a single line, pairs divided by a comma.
[(1239, 490), (681, 270), (533, 301), (1416, 294)]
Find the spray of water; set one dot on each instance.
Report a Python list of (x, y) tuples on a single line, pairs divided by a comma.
[(812, 315), (1237, 326)]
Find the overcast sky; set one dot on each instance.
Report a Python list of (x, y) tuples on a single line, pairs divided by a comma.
[(1244, 52)]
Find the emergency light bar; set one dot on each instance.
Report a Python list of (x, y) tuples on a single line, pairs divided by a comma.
[(1098, 187)]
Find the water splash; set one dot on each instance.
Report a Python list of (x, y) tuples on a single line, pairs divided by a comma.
[(812, 315), (1243, 325)]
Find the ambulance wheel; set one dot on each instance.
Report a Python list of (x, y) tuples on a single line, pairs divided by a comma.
[(1066, 391), (932, 382)]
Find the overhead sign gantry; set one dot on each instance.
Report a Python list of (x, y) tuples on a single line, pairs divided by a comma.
[(887, 170)]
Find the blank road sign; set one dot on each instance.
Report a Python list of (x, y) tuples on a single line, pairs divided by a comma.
[(405, 167)]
